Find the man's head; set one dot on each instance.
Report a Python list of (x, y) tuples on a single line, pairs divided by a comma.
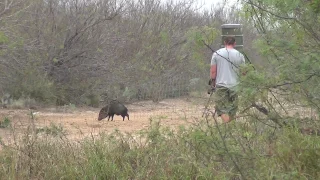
[(230, 41)]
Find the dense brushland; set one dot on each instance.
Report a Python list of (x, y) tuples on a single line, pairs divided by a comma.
[(77, 52)]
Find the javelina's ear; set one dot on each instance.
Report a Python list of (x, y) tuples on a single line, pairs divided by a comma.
[(104, 109)]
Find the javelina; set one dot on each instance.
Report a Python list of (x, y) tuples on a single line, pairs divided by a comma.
[(111, 109)]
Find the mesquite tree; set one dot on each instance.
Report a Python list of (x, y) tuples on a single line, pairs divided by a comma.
[(288, 39)]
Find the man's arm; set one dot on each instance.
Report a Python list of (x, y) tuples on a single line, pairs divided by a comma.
[(213, 74), (213, 71)]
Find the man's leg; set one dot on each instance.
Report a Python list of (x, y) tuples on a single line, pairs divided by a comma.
[(222, 101), (226, 118), (231, 106), (234, 101)]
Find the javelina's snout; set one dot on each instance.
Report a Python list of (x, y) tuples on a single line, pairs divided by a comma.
[(103, 113)]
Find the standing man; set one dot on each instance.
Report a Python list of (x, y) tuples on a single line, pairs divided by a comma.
[(224, 73)]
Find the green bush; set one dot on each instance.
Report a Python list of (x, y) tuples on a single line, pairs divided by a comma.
[(54, 130), (5, 123), (92, 100), (32, 84), (202, 151)]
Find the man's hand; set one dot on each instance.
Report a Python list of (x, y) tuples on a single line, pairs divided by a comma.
[(212, 84)]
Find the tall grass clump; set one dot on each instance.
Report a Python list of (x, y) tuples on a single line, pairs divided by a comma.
[(206, 150)]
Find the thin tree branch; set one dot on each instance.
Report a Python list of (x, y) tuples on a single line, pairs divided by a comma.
[(295, 82)]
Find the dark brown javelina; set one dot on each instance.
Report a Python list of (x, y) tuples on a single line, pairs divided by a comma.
[(114, 108)]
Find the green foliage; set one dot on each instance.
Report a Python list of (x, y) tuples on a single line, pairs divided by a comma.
[(53, 129), (197, 38), (289, 43), (3, 38), (33, 85), (129, 94), (204, 151), (288, 86), (298, 155), (93, 100), (5, 123), (75, 56), (315, 5), (23, 102)]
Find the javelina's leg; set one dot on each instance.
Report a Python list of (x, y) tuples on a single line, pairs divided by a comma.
[(108, 118), (112, 117)]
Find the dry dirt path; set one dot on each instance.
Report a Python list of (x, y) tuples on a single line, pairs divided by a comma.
[(81, 122)]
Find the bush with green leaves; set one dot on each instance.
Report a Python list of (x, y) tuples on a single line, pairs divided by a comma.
[(5, 123), (288, 40), (52, 129), (205, 150)]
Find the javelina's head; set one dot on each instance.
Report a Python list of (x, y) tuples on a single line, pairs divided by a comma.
[(103, 113)]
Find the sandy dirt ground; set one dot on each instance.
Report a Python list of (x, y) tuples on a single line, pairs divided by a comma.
[(81, 122)]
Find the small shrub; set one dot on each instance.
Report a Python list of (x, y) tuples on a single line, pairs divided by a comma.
[(18, 104), (205, 151), (6, 122), (31, 82), (128, 94), (92, 100), (23, 103), (53, 130), (66, 108)]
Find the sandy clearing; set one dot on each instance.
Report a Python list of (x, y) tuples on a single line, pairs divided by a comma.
[(81, 122)]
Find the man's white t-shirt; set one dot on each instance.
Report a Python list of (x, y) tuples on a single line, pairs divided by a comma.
[(228, 62)]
